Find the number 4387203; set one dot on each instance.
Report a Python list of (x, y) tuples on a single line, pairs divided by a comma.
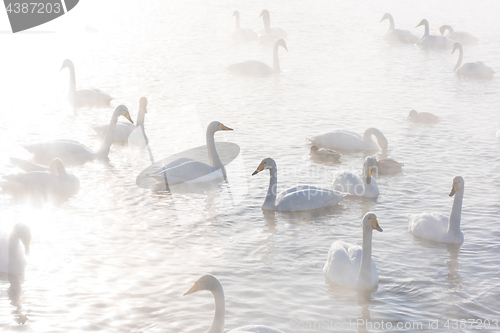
[(34, 8), (476, 324)]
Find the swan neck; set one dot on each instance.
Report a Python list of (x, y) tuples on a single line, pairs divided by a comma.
[(460, 57), (237, 22), (141, 116), (426, 33), (365, 271), (72, 79), (267, 24), (391, 23), (456, 213), (108, 139), (213, 156), (220, 310), (15, 254), (276, 61), (61, 171), (270, 201)]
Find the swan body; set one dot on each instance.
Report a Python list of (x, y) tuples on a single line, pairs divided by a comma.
[(55, 181), (349, 141), (433, 41), (476, 70), (123, 129), (212, 284), (422, 117), (350, 265), (14, 247), (388, 166), (324, 155), (257, 68), (360, 185), (84, 97), (397, 36), (73, 152), (298, 198), (440, 227), (185, 170), (462, 37), (243, 35), (268, 36)]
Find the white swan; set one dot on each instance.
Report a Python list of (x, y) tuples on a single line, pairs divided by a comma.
[(55, 181), (268, 35), (242, 35), (462, 37), (397, 36), (477, 70), (362, 184), (84, 97), (185, 170), (422, 117), (123, 130), (433, 41), (212, 284), (257, 68), (298, 198), (350, 141), (74, 152), (324, 155), (387, 166), (14, 246), (350, 265), (440, 227)]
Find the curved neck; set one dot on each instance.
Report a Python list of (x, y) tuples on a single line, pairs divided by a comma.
[(237, 17), (276, 61), (108, 139), (267, 23), (141, 116), (447, 27), (426, 33), (456, 213), (367, 137), (391, 22), (270, 201), (460, 57), (365, 271), (61, 171), (220, 310), (213, 157)]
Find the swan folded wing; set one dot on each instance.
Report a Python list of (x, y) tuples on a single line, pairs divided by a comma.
[(432, 226), (339, 140), (182, 170), (255, 329), (26, 165), (251, 68), (92, 97), (306, 198), (343, 263), (36, 181), (401, 36), (347, 182), (66, 150)]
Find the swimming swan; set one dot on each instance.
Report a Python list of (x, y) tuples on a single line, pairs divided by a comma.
[(433, 41), (397, 35), (462, 37), (440, 227), (212, 284), (350, 265), (350, 141), (184, 170), (257, 68), (73, 152), (298, 198), (84, 97), (242, 35), (422, 117), (361, 185), (54, 180), (14, 247), (477, 70), (123, 130), (324, 155), (269, 35), (387, 166)]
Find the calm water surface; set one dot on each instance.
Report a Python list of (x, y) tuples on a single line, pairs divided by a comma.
[(117, 258)]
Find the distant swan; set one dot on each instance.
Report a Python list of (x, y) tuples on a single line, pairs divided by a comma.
[(123, 130), (212, 284), (324, 155), (242, 35), (184, 170), (388, 166), (433, 41), (298, 198), (14, 246), (362, 184), (477, 70), (55, 181), (84, 97), (422, 117), (257, 68), (397, 35), (352, 266), (269, 35), (350, 141), (462, 37), (73, 152), (441, 227)]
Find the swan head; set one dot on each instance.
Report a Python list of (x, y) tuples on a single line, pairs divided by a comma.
[(423, 22), (386, 16), (122, 110), (67, 64), (216, 126), (412, 114), (264, 13), (23, 232), (206, 282), (458, 184), (143, 103), (280, 42), (456, 46), (370, 222), (313, 150), (369, 164), (236, 13), (267, 163)]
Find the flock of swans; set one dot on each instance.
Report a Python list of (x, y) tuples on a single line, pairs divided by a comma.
[(348, 265)]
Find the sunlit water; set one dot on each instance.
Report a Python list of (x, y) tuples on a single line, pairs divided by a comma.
[(117, 258)]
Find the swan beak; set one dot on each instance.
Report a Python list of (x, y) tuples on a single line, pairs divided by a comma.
[(368, 175), (225, 128), (259, 169), (193, 289), (127, 115), (375, 225), (453, 189)]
